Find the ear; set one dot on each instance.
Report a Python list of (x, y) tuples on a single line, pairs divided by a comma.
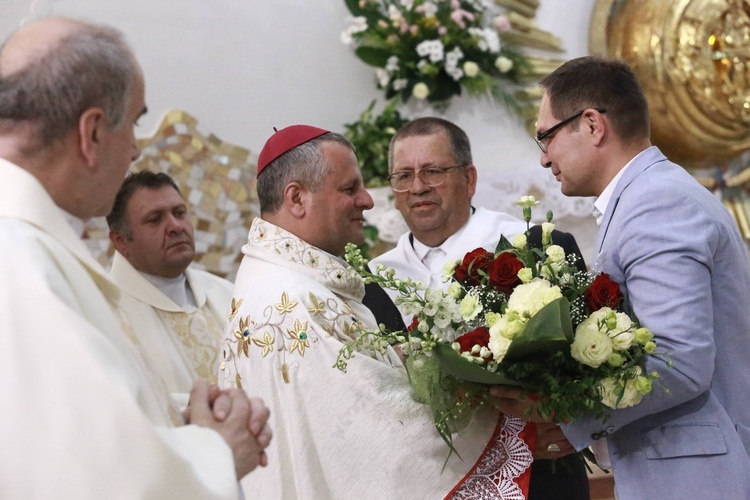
[(471, 179), (119, 242), (596, 126), (90, 125), (296, 199)]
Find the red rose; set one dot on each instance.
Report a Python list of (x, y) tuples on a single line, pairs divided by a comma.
[(413, 324), (603, 292), (503, 272), (480, 337), (477, 259)]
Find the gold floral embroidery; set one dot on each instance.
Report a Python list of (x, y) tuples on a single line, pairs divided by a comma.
[(286, 305), (266, 343), (316, 306), (235, 307), (312, 260), (242, 334), (299, 337)]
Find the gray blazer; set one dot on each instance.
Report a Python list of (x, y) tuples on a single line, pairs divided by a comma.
[(682, 264)]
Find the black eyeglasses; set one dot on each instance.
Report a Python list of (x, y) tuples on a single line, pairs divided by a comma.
[(432, 176), (543, 135)]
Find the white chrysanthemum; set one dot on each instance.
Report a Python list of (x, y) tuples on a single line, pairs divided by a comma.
[(455, 73), (630, 396), (529, 298), (591, 346)]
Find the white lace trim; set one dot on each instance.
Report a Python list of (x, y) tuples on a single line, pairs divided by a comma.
[(495, 474)]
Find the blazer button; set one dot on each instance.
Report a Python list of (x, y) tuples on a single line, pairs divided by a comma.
[(596, 436)]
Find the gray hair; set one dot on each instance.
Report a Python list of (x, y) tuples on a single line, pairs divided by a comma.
[(430, 125), (304, 164), (91, 67)]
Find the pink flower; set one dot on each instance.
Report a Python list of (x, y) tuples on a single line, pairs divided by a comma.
[(459, 15)]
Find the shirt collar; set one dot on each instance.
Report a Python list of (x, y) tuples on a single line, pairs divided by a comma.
[(601, 203)]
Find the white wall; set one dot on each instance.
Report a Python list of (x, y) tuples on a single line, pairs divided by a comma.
[(243, 66)]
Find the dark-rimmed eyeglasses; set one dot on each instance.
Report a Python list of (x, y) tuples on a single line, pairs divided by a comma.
[(541, 136), (432, 176)]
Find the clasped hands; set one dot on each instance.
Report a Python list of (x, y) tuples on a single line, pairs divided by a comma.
[(550, 440), (241, 421)]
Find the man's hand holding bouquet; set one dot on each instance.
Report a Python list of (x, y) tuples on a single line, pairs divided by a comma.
[(520, 316)]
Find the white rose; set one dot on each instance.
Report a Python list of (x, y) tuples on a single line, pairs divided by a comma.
[(455, 290), (591, 346), (420, 91), (525, 275), (529, 298), (630, 396), (449, 267), (555, 253), (503, 64), (508, 326), (471, 69), (499, 345), (622, 335)]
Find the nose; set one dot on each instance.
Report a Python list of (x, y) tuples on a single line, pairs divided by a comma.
[(174, 225), (365, 201), (544, 161), (418, 185)]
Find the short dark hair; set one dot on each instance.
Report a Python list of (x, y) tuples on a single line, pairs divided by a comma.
[(304, 164), (429, 125), (91, 67), (599, 82), (117, 219)]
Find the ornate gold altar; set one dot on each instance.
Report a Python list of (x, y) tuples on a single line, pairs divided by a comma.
[(692, 58)]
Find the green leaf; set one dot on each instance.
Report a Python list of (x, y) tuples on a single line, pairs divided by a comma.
[(548, 331), (503, 244), (454, 364), (374, 56)]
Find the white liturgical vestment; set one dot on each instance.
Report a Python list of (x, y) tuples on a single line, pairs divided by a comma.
[(83, 416), (483, 230), (344, 435), (181, 342)]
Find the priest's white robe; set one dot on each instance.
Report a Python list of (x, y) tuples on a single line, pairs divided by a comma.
[(83, 416), (483, 230), (181, 342), (343, 435)]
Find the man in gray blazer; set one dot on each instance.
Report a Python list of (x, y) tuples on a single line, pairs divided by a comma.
[(682, 264)]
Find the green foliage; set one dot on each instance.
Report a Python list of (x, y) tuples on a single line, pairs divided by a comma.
[(371, 134)]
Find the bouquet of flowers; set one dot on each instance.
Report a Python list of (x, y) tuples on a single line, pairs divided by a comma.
[(434, 49), (520, 316)]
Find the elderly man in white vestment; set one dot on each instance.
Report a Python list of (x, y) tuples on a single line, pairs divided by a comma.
[(83, 415), (180, 312), (338, 435), (433, 178)]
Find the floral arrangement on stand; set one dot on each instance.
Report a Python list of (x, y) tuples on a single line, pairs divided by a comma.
[(519, 316), (433, 50)]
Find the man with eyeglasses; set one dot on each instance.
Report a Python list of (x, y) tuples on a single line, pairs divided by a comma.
[(433, 180), (681, 262)]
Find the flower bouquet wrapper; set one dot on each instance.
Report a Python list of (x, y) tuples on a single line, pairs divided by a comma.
[(547, 332)]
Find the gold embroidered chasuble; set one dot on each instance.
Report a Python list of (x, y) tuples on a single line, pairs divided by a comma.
[(182, 342), (336, 435)]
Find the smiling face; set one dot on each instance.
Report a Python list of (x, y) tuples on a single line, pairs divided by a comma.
[(335, 213), (433, 213), (159, 235)]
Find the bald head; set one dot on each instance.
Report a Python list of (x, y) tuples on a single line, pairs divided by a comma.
[(54, 69)]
